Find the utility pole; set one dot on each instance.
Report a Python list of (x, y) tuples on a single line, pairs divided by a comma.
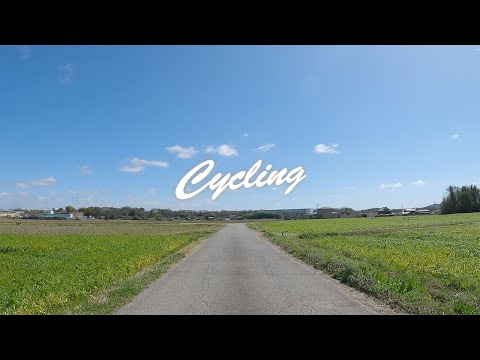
[(317, 211)]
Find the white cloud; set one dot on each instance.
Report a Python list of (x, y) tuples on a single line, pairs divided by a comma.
[(39, 182), (25, 52), (152, 191), (4, 194), (265, 148), (418, 183), (390, 186), (85, 170), (65, 74), (132, 169), (326, 149), (182, 152), (244, 135), (136, 165), (222, 150), (227, 150), (141, 162), (455, 137), (44, 182)]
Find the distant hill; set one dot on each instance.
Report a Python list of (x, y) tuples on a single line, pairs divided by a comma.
[(372, 210), (433, 207)]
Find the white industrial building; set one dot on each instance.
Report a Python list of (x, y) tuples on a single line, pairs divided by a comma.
[(52, 215)]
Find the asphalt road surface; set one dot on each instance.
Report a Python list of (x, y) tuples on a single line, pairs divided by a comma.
[(236, 272)]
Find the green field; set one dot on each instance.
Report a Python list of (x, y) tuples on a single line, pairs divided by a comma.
[(85, 267), (421, 265)]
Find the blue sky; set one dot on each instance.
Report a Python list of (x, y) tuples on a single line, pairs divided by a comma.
[(121, 125)]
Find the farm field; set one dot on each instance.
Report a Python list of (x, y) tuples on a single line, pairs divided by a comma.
[(421, 265), (85, 267)]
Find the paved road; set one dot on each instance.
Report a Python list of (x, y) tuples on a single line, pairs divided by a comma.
[(236, 272)]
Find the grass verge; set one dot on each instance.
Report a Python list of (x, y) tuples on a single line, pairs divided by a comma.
[(90, 271), (423, 271), (124, 291)]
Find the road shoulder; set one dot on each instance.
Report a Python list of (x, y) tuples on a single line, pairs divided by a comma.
[(361, 297)]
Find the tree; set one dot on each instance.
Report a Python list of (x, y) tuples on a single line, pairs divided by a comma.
[(346, 211), (263, 215), (69, 209), (461, 200), (91, 211), (167, 213), (152, 214)]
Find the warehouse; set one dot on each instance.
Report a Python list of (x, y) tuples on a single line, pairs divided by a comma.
[(52, 215)]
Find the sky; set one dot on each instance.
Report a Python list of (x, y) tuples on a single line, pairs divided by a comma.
[(371, 126)]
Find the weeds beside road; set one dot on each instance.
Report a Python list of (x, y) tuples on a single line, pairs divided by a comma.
[(62, 267), (428, 265)]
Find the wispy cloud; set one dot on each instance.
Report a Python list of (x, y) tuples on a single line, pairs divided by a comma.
[(132, 169), (2, 194), (136, 165), (85, 170), (223, 150), (455, 137), (418, 183), (152, 191), (44, 182), (244, 135), (390, 186), (39, 182), (182, 152), (265, 148), (25, 52), (65, 74), (141, 162), (326, 149)]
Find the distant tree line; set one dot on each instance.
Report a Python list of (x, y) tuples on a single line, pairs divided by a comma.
[(263, 215), (111, 213), (463, 199)]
